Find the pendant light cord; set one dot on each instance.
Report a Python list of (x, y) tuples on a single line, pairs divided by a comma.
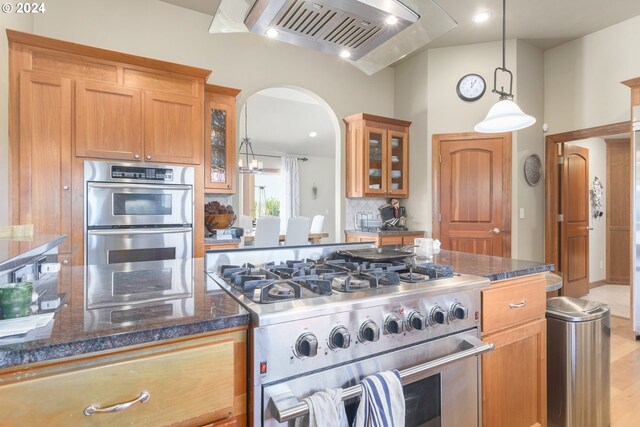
[(504, 34)]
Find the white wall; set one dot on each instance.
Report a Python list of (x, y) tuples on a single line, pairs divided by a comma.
[(582, 78), (20, 23), (426, 95), (598, 236), (163, 31)]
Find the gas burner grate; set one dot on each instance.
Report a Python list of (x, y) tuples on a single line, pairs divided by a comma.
[(348, 283), (413, 277), (316, 285), (276, 292)]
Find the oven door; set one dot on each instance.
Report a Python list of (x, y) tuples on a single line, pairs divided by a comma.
[(120, 245), (441, 381), (111, 204), (137, 283)]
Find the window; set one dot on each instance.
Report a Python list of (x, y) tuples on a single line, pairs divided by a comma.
[(261, 194)]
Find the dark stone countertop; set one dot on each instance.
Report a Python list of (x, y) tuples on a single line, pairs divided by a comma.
[(77, 330), (14, 252), (381, 232), (214, 241), (492, 267)]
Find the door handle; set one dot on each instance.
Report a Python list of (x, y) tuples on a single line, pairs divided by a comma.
[(495, 231), (587, 228)]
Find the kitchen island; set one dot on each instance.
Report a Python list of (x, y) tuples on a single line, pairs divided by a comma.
[(172, 350)]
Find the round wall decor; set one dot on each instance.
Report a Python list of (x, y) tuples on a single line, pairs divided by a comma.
[(532, 169)]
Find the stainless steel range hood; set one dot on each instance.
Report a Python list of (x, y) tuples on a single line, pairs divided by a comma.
[(332, 26), (359, 27)]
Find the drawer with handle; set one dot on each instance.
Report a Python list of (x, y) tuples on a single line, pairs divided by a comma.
[(512, 302), (157, 389)]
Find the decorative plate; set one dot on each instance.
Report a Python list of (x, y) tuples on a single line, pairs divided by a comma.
[(532, 169)]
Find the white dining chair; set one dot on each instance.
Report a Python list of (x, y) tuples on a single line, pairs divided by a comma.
[(297, 231), (317, 224), (246, 223), (267, 232)]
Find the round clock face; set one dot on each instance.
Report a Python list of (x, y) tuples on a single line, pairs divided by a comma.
[(471, 87)]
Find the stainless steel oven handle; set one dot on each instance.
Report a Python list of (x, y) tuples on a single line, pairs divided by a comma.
[(285, 407), (125, 186), (120, 231)]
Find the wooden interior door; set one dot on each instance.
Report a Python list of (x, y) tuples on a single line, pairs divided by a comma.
[(474, 193), (574, 245), (45, 154), (618, 208)]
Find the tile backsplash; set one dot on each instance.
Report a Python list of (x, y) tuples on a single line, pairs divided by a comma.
[(370, 206)]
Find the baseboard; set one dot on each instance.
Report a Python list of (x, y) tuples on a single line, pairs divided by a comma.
[(597, 284)]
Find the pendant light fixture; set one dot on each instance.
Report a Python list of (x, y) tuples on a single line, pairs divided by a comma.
[(250, 165), (505, 115)]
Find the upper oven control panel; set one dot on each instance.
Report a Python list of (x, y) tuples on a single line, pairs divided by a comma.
[(141, 173)]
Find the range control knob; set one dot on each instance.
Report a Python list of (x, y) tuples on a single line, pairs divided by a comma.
[(307, 345), (369, 331), (393, 324), (458, 311), (416, 321), (437, 316), (339, 338)]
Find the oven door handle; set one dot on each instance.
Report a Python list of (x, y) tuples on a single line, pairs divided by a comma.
[(120, 231), (125, 186), (285, 406)]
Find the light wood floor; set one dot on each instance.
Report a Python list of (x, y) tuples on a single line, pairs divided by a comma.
[(625, 374)]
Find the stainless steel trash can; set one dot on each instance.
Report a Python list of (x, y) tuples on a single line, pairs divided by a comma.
[(578, 363)]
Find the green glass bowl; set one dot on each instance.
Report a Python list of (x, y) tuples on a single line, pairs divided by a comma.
[(15, 300)]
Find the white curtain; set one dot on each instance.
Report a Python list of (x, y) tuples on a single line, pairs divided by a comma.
[(290, 195)]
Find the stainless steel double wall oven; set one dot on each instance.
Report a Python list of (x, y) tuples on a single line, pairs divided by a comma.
[(137, 212)]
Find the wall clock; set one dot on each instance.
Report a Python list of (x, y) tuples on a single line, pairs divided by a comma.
[(471, 87)]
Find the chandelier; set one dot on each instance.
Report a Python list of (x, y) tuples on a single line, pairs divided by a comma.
[(250, 165)]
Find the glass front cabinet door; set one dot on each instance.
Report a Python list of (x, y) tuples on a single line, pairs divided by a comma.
[(220, 139), (377, 156)]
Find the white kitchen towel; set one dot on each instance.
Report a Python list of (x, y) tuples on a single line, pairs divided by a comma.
[(382, 401), (326, 408)]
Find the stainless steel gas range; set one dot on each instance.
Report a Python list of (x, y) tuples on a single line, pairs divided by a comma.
[(320, 320)]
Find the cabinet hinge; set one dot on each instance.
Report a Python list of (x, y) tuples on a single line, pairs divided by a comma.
[(440, 157), (439, 217), (560, 160), (560, 217)]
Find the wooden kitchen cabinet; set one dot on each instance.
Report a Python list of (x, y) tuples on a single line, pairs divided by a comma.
[(514, 374), (172, 128), (381, 239), (44, 172), (108, 121), (377, 156), (220, 139), (195, 381)]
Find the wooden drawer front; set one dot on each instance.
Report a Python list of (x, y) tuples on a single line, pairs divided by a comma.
[(391, 240), (513, 302), (181, 384), (73, 66)]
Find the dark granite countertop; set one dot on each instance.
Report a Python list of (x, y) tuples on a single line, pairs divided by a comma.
[(214, 241), (375, 232), (494, 268), (13, 252), (78, 330)]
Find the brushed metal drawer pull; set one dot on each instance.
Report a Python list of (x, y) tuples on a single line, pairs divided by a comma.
[(91, 409), (519, 305)]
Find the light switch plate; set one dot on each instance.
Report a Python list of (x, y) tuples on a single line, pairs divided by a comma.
[(521, 213)]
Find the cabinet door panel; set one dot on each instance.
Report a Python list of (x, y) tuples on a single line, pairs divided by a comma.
[(514, 377), (172, 128), (45, 154), (397, 163), (220, 143), (108, 121), (375, 160)]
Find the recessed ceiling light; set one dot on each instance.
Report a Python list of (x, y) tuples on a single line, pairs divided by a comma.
[(313, 134), (272, 33), (345, 54), (482, 17), (391, 20)]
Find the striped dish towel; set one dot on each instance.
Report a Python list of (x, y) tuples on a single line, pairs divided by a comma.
[(382, 401)]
